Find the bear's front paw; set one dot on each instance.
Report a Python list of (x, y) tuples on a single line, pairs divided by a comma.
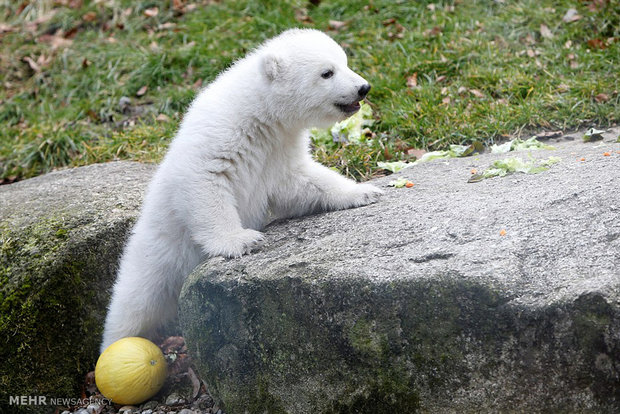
[(363, 194), (238, 243)]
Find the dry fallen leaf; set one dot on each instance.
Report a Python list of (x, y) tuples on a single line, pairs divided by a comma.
[(400, 29), (301, 15), (188, 45), (4, 28), (596, 44), (152, 12), (336, 25), (440, 78), (162, 118), (529, 39), (142, 90), (33, 65), (90, 16), (33, 26), (173, 344), (197, 84), (195, 382), (70, 34), (596, 5), (167, 26), (446, 100), (571, 16), (412, 81), (178, 6), (56, 40), (433, 32), (601, 97), (476, 93), (572, 61), (545, 32)]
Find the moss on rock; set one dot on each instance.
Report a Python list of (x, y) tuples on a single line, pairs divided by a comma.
[(58, 255)]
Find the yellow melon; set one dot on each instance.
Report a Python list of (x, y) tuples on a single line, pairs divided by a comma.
[(130, 371)]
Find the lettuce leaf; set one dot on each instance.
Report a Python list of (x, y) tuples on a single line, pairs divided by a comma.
[(520, 145), (394, 166), (501, 168), (351, 129)]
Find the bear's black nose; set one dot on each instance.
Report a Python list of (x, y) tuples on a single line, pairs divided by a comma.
[(363, 91)]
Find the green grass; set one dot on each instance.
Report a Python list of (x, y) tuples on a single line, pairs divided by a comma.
[(66, 111)]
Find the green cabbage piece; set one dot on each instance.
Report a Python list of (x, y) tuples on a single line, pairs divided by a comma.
[(401, 182), (455, 151), (520, 145), (501, 168), (394, 166), (351, 129)]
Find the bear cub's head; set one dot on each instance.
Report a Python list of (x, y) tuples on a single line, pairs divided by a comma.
[(307, 72)]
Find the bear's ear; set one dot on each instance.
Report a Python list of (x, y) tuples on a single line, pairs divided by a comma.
[(272, 66)]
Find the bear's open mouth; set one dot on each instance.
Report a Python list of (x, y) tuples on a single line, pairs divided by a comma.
[(349, 108)]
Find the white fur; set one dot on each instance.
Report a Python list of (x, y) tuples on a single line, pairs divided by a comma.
[(240, 159)]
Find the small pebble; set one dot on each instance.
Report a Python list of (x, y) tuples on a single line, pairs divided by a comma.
[(128, 409), (147, 412), (93, 408), (81, 411), (174, 399), (150, 405), (186, 411)]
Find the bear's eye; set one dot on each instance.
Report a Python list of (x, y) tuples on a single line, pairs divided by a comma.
[(327, 74)]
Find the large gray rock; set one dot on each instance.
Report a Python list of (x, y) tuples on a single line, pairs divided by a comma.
[(422, 302), (60, 238)]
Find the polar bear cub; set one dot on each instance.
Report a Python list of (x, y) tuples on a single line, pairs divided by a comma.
[(239, 160)]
